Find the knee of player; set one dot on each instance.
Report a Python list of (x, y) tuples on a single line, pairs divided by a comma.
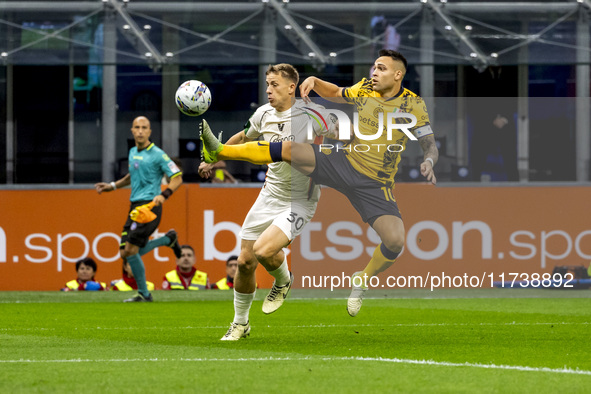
[(263, 252), (129, 251), (247, 264), (394, 242)]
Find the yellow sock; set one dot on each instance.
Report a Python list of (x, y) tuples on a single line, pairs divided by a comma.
[(379, 262), (256, 152)]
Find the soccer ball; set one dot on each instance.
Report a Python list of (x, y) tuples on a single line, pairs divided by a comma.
[(193, 98)]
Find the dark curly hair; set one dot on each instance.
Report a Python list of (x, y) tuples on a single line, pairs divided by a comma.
[(396, 56)]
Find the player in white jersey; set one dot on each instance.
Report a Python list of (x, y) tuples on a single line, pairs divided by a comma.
[(286, 202)]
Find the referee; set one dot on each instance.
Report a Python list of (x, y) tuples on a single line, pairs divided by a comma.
[(147, 165)]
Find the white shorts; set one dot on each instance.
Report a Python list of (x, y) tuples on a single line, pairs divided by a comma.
[(289, 216)]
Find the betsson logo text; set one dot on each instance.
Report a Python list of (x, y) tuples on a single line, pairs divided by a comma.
[(345, 241)]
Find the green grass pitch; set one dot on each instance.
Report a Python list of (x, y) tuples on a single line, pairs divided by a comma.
[(401, 341)]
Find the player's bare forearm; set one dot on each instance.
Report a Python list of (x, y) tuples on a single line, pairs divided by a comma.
[(430, 157), (238, 138), (326, 89), (109, 187), (429, 148), (323, 88)]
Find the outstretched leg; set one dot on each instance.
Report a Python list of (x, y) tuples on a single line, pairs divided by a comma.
[(300, 156), (169, 239), (257, 152)]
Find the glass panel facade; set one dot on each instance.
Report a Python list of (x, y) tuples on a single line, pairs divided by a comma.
[(52, 59)]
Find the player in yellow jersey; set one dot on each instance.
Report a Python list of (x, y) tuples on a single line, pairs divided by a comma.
[(364, 169)]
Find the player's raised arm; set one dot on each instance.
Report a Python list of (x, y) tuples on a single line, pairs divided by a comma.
[(238, 138), (323, 88), (430, 157)]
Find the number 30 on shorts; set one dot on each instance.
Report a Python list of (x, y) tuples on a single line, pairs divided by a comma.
[(296, 220)]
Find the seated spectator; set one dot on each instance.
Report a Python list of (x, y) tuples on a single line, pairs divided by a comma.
[(128, 283), (221, 174), (86, 269), (227, 283), (185, 276)]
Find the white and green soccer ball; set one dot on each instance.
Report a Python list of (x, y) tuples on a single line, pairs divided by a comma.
[(193, 98)]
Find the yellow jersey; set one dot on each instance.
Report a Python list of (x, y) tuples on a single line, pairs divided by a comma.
[(378, 158)]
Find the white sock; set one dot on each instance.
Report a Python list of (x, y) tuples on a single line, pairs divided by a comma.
[(242, 303), (281, 274)]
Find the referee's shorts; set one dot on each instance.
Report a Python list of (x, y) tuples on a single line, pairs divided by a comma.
[(138, 234)]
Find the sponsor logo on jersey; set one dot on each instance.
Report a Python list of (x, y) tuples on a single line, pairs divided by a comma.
[(377, 110), (278, 138)]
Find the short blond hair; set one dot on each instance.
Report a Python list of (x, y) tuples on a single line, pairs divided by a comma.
[(287, 71)]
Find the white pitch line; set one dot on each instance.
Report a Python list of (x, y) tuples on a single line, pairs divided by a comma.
[(313, 326), (273, 359), (478, 365)]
